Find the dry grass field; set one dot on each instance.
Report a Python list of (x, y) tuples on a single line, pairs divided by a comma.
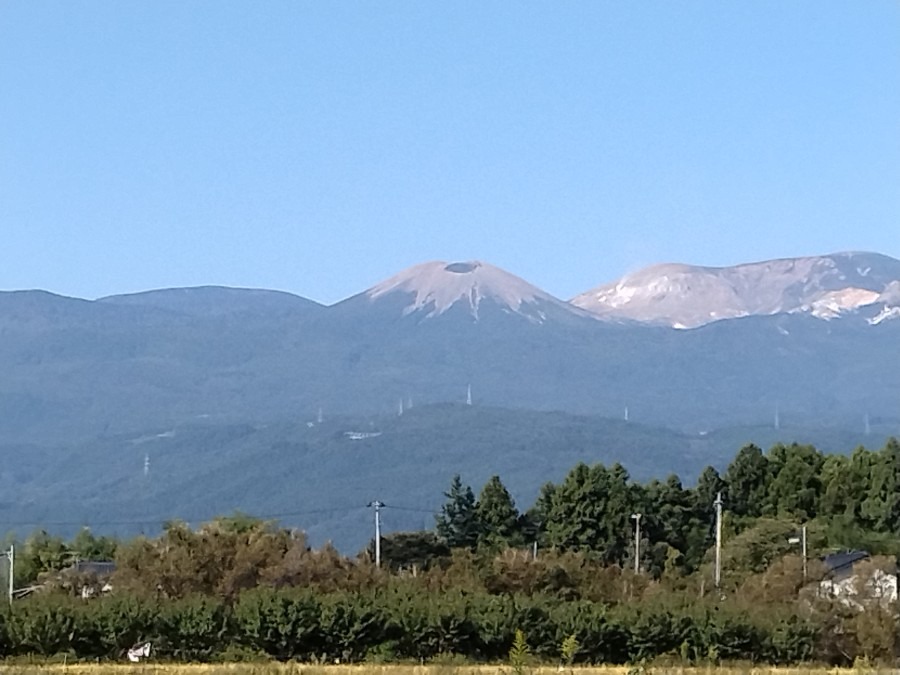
[(303, 669)]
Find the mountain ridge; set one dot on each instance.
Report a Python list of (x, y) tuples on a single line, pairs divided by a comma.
[(688, 296), (214, 300), (676, 295), (90, 388)]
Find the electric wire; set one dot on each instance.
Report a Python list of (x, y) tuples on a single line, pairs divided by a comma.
[(161, 520)]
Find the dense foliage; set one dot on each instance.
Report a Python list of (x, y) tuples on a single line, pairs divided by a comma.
[(238, 587), (847, 502), (397, 623)]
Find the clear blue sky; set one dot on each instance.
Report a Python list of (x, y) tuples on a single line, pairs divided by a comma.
[(318, 147)]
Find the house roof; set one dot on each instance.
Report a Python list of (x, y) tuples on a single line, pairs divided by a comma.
[(843, 561), (98, 567)]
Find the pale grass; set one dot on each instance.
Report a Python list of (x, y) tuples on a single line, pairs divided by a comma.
[(392, 669)]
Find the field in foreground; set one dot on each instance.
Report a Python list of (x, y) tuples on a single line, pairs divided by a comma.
[(302, 669)]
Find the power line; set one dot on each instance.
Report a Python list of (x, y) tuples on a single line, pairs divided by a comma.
[(167, 519), (411, 509)]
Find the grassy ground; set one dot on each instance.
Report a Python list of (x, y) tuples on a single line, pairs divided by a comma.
[(301, 669)]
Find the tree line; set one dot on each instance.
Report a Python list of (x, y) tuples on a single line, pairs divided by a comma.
[(846, 501)]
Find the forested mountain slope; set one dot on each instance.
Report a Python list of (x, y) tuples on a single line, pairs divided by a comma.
[(320, 476)]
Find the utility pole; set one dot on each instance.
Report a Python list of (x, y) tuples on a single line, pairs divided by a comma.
[(377, 505), (11, 556), (803, 550), (636, 517), (803, 545), (718, 505)]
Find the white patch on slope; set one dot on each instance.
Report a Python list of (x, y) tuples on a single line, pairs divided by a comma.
[(438, 286), (833, 304), (886, 314), (890, 301)]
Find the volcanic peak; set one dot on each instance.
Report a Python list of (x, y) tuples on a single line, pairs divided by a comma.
[(434, 287)]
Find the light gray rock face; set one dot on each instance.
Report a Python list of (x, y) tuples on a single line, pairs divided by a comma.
[(473, 288), (686, 296)]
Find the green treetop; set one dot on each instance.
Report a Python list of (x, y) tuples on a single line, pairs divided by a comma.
[(457, 524)]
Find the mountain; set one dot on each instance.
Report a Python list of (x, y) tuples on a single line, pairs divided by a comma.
[(222, 388), (474, 290), (686, 296), (319, 475), (218, 301), (76, 370), (36, 311), (433, 329)]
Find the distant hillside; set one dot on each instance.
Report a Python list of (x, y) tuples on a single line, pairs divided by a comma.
[(218, 301), (321, 476)]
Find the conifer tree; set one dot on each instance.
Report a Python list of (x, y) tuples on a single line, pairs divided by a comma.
[(748, 480), (498, 518), (457, 524), (796, 483), (591, 512)]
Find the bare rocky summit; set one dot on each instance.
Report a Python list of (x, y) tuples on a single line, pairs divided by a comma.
[(687, 296), (473, 288)]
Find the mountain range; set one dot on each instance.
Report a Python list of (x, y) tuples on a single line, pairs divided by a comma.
[(686, 296), (802, 347)]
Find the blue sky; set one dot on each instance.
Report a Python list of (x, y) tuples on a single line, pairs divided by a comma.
[(318, 147)]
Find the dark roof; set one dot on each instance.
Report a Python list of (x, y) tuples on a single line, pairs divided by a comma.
[(843, 561), (97, 567)]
